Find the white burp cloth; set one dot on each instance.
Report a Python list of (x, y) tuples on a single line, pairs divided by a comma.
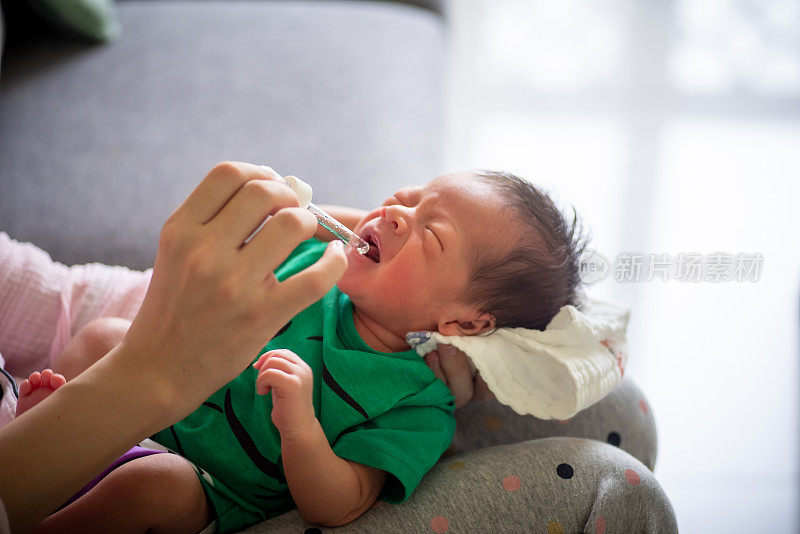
[(552, 373)]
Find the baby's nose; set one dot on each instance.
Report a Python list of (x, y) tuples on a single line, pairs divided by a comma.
[(391, 214)]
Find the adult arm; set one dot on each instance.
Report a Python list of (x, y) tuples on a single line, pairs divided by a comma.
[(206, 312), (453, 367)]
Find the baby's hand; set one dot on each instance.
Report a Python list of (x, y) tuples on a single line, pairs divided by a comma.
[(292, 384)]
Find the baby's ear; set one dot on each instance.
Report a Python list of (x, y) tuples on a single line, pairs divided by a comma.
[(482, 322)]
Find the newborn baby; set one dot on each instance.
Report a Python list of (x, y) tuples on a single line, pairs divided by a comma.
[(337, 411)]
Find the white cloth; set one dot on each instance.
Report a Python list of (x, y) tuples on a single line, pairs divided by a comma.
[(552, 373)]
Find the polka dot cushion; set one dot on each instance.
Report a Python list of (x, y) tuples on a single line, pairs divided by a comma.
[(622, 419), (559, 485), (510, 473)]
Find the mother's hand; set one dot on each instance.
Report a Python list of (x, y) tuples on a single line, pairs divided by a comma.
[(214, 301), (454, 368)]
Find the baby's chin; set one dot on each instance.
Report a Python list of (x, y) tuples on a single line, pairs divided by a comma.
[(349, 280), (355, 285)]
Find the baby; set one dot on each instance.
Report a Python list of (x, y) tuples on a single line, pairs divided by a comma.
[(354, 415)]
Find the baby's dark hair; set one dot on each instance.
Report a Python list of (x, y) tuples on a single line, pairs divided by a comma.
[(527, 287)]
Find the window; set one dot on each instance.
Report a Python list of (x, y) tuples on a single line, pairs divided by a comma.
[(673, 127)]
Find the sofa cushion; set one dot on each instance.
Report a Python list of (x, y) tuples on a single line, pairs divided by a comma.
[(624, 415), (556, 484), (99, 144)]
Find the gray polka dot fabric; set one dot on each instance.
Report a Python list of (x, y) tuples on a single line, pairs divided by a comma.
[(623, 419), (510, 473)]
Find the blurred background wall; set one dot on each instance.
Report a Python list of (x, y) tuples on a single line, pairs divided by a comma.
[(673, 127)]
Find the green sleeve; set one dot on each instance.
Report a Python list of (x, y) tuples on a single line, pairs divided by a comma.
[(406, 442)]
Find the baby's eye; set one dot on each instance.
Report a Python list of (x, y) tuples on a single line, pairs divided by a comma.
[(436, 236)]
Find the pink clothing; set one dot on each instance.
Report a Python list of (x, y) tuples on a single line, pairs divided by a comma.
[(44, 303)]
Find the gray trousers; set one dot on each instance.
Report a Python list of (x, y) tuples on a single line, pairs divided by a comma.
[(510, 473)]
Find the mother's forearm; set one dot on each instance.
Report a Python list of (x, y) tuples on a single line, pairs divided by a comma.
[(55, 448)]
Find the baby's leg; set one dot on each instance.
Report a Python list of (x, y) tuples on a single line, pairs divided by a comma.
[(91, 343), (158, 493)]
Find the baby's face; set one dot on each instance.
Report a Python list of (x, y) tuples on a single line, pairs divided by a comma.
[(425, 237)]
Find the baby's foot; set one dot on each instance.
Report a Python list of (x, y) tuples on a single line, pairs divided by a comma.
[(36, 388)]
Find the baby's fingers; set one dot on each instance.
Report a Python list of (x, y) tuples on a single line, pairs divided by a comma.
[(263, 384), (260, 362), (269, 378), (290, 367), (284, 354)]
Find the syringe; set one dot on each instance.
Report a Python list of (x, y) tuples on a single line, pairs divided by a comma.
[(326, 221)]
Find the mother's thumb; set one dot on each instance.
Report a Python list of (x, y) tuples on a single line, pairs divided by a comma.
[(335, 258)]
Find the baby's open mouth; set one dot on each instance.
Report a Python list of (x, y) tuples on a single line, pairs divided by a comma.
[(373, 253)]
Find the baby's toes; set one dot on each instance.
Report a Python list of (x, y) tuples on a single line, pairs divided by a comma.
[(35, 379), (52, 380), (36, 388), (25, 388), (57, 380), (47, 374)]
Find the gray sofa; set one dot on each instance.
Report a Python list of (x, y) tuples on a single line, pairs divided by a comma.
[(100, 143), (346, 95)]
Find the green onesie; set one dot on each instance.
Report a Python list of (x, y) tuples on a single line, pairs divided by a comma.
[(385, 410)]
